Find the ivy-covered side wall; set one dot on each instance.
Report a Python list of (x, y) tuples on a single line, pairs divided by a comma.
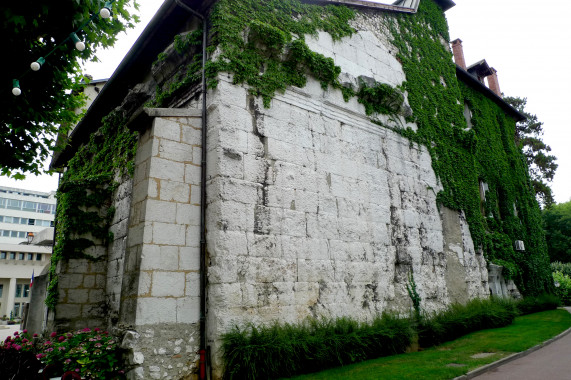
[(85, 211), (463, 157)]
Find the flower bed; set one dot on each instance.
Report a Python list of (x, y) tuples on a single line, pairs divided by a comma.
[(84, 354)]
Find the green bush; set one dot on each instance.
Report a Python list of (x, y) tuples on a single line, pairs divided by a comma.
[(564, 268), (287, 350), (459, 320), (564, 288), (542, 302)]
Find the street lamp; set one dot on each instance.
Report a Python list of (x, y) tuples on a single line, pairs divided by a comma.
[(30, 237)]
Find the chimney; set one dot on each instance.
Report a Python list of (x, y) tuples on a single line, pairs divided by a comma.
[(493, 83), (458, 52)]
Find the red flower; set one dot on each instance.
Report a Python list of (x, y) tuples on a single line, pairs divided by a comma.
[(53, 335)]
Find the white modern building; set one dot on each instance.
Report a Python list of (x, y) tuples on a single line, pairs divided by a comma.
[(26, 238)]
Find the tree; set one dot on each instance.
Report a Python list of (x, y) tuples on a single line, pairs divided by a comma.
[(541, 164), (49, 97), (557, 225)]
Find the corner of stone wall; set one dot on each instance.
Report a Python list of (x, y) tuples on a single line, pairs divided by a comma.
[(160, 284)]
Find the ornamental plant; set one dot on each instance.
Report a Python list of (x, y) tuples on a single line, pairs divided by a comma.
[(93, 354)]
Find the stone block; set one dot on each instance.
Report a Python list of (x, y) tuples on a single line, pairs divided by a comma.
[(188, 310), (188, 214), (159, 210), (155, 257), (165, 169), (192, 284), (153, 310), (166, 128), (191, 135), (168, 234), (189, 258), (168, 284), (175, 151), (174, 191), (192, 174)]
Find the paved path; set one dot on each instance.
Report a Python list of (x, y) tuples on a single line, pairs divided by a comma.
[(552, 362), (7, 330)]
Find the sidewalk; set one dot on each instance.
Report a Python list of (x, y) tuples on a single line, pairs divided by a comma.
[(550, 362), (7, 330)]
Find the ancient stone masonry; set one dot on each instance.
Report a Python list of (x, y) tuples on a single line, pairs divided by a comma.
[(313, 210), (316, 206)]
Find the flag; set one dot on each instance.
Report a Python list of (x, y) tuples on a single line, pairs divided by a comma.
[(32, 280)]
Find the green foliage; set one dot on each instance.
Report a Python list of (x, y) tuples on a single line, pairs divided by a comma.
[(270, 54), (564, 268), (557, 225), (542, 302), (191, 74), (434, 363), (459, 320), (84, 211), (381, 98), (541, 164), (93, 354), (563, 291), (414, 296), (286, 350), (29, 123), (462, 158)]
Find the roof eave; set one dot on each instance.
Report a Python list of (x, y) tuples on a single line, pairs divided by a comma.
[(469, 79)]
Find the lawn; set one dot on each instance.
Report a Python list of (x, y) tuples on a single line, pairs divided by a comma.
[(454, 358)]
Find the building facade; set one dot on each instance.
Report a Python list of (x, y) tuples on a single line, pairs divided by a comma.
[(333, 158), (23, 214)]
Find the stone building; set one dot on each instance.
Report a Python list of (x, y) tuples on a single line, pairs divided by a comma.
[(279, 197)]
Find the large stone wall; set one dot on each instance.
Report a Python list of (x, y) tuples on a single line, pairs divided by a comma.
[(313, 210)]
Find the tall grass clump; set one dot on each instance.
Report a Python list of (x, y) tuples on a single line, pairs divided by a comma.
[(459, 320), (288, 350), (542, 302)]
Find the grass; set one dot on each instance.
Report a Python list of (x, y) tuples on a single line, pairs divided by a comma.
[(526, 331)]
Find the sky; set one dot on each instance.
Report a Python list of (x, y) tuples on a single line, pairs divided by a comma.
[(524, 40)]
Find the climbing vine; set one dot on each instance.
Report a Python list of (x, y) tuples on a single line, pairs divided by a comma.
[(84, 208), (463, 158)]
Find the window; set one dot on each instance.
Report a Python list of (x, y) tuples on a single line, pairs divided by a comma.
[(16, 310), (21, 256), (3, 255), (18, 290), (14, 234), (1, 290), (23, 220), (12, 255), (26, 291), (14, 204), (6, 233), (39, 257), (8, 219), (31, 222), (21, 234), (1, 218), (30, 256), (2, 202), (468, 115), (30, 206), (52, 223)]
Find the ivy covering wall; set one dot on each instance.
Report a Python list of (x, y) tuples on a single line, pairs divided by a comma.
[(84, 197), (462, 157)]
